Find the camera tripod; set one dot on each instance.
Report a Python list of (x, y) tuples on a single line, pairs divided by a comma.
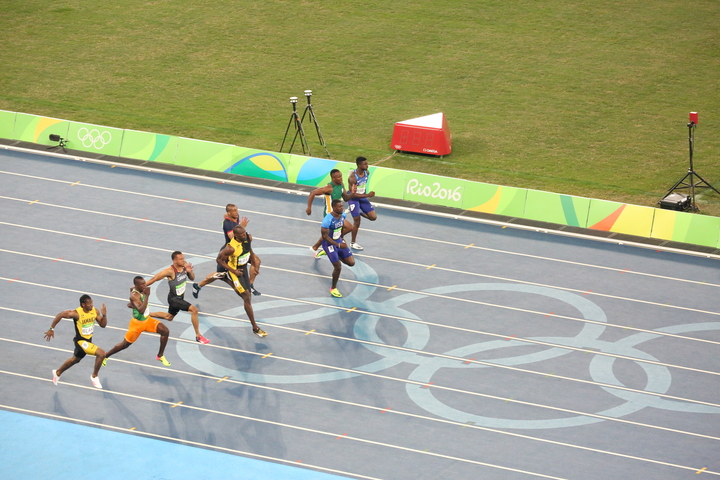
[(309, 108), (295, 120), (691, 174), (61, 142)]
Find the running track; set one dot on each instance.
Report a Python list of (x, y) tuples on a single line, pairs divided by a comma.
[(462, 349)]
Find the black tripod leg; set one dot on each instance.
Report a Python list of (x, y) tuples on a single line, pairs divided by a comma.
[(299, 132), (286, 134), (702, 180), (303, 139), (317, 129), (677, 185)]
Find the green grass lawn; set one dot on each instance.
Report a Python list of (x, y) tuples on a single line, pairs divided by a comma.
[(586, 98)]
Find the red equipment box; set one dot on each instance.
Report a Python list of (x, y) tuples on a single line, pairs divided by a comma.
[(429, 135)]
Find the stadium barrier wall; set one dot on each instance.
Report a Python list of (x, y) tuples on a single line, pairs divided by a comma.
[(386, 182)]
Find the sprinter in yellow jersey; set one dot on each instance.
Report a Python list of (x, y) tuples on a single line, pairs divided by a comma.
[(141, 321), (85, 317), (235, 257)]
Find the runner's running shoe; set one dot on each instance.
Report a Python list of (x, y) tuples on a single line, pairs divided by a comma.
[(163, 360)]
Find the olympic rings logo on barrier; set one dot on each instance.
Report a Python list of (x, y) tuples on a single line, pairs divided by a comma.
[(658, 377), (93, 138)]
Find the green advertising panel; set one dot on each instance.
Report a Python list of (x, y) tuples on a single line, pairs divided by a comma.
[(7, 123), (487, 198), (95, 138), (260, 164), (314, 171), (387, 182), (696, 229), (205, 155), (35, 129), (420, 187), (149, 146), (555, 208)]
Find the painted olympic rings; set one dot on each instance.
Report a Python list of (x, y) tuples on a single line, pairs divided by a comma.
[(658, 378), (93, 138)]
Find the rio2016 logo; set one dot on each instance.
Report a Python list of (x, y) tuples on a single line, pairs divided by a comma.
[(435, 190)]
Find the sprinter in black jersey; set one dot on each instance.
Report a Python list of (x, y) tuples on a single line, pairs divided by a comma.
[(177, 276)]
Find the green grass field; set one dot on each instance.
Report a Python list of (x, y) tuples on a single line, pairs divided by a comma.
[(586, 98)]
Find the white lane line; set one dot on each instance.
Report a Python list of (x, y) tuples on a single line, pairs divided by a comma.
[(368, 407), (413, 210), (464, 360), (429, 294), (413, 237), (423, 322), (614, 297), (439, 355), (285, 425), (177, 439), (476, 394), (475, 274)]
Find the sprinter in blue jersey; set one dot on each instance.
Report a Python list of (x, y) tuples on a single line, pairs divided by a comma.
[(334, 244), (358, 203)]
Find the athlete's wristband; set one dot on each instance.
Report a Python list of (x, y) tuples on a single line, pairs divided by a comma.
[(52, 329)]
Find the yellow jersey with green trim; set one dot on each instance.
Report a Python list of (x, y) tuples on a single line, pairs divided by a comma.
[(85, 323), (241, 255)]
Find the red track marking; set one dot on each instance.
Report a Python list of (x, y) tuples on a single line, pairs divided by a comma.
[(511, 336), (427, 385), (341, 436), (468, 361), (551, 313)]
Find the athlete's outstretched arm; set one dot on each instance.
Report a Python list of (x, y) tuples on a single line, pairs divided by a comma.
[(64, 314)]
